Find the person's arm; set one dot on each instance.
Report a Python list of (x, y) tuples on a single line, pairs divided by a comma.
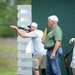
[(19, 32), (57, 44), (27, 30), (72, 40)]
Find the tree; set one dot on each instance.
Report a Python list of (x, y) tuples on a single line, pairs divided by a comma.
[(8, 15)]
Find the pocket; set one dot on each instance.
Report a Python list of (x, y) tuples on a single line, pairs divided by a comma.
[(60, 51)]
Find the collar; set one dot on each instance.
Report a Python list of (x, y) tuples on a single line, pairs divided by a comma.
[(54, 27)]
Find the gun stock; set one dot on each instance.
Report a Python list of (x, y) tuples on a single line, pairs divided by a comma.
[(27, 30), (44, 35), (66, 60)]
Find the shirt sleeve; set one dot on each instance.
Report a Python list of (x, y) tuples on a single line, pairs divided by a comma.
[(32, 34), (58, 35)]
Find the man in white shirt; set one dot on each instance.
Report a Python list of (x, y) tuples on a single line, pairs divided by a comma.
[(39, 58)]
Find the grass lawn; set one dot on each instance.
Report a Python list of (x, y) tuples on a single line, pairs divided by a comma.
[(8, 73), (8, 56)]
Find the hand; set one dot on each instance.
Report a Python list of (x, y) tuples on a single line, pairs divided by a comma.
[(72, 40), (14, 27), (52, 55)]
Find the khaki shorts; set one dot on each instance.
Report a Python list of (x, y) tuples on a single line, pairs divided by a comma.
[(39, 61)]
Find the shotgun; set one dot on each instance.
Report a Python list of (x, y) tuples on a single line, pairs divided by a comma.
[(19, 27), (66, 60)]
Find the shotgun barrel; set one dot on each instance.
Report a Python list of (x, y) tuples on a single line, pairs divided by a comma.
[(19, 27)]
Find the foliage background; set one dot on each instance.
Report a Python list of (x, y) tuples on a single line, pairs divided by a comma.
[(8, 15), (8, 44)]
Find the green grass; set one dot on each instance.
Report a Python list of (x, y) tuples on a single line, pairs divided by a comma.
[(8, 48), (8, 73), (8, 44), (8, 56), (6, 65)]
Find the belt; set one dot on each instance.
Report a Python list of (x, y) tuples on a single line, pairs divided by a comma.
[(51, 48)]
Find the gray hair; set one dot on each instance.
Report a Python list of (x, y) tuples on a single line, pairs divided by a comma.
[(54, 18)]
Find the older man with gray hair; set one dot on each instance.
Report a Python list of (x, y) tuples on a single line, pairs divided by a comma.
[(53, 46)]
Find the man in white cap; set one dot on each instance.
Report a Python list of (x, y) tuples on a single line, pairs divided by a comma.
[(39, 58), (53, 46)]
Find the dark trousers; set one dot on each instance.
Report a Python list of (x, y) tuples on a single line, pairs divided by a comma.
[(43, 71)]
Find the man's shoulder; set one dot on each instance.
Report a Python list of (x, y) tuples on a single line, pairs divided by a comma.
[(37, 32), (58, 28), (40, 31)]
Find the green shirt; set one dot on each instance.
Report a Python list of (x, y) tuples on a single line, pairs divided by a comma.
[(52, 36)]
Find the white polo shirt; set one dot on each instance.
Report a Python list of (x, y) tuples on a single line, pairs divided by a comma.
[(36, 37)]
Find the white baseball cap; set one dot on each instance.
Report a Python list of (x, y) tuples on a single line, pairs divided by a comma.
[(53, 18), (33, 24)]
